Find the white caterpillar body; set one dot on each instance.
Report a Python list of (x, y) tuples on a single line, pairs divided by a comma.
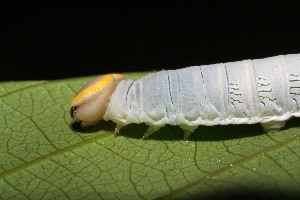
[(265, 91)]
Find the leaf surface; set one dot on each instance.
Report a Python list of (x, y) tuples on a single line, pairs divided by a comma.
[(41, 157)]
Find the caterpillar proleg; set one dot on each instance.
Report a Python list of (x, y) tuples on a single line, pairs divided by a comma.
[(265, 91)]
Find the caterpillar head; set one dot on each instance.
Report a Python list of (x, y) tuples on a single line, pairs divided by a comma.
[(90, 103)]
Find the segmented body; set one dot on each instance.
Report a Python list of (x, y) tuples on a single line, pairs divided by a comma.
[(243, 92)]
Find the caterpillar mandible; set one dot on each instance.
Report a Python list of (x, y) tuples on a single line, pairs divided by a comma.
[(265, 91)]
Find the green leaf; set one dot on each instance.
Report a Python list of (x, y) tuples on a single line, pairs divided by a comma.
[(41, 157)]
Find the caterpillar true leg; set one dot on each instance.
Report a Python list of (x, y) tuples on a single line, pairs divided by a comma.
[(118, 129), (151, 129)]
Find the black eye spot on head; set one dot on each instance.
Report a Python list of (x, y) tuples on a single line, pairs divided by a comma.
[(72, 111)]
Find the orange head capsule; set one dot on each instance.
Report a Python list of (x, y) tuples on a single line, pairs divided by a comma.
[(89, 105)]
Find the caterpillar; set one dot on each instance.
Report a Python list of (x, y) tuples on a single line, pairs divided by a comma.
[(265, 91)]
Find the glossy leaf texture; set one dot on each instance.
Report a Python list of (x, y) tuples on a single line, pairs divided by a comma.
[(42, 157)]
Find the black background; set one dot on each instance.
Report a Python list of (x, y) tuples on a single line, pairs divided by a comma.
[(54, 40)]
